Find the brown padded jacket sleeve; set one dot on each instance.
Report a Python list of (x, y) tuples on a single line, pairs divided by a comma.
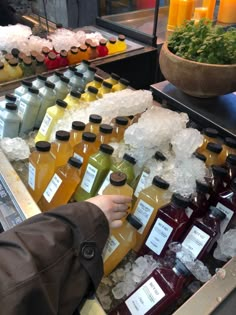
[(50, 262)]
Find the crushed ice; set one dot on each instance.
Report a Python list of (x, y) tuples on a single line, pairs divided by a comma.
[(15, 148)]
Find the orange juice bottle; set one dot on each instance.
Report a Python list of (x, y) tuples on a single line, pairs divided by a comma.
[(210, 5), (62, 185), (97, 82), (121, 44), (121, 124), (92, 51), (83, 53), (90, 95), (76, 133), (73, 55), (104, 135), (61, 149), (94, 124), (229, 147), (84, 149), (112, 46), (113, 79), (121, 85), (173, 14), (212, 154), (118, 185), (41, 169), (104, 89), (185, 11), (210, 135)]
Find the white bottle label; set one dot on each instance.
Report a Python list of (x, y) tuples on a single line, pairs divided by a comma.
[(105, 183), (146, 297), (52, 188), (143, 212), (159, 236), (89, 177), (228, 212), (141, 184), (188, 212), (1, 128), (195, 240), (45, 124), (31, 176), (110, 247), (21, 109), (78, 157)]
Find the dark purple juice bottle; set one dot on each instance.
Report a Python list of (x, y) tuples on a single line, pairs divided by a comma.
[(203, 234), (230, 165), (169, 225), (219, 182), (156, 293)]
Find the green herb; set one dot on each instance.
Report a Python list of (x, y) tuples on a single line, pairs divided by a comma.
[(204, 43)]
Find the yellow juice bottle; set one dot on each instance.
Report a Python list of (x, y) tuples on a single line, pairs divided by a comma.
[(212, 154), (185, 11), (73, 99), (4, 77), (121, 124), (112, 46), (121, 43), (62, 186), (61, 149), (14, 70), (113, 79), (146, 207), (121, 85), (93, 124), (228, 147), (41, 169), (97, 83), (104, 89), (173, 14), (90, 95), (76, 133), (104, 135), (120, 243), (210, 135), (53, 114)]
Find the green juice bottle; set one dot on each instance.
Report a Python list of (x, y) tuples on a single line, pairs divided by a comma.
[(96, 171)]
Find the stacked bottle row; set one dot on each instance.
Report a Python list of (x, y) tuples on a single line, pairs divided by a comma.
[(16, 64)]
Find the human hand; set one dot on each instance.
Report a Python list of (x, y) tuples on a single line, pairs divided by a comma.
[(113, 206)]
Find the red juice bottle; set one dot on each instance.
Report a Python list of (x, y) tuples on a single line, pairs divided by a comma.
[(156, 293), (219, 182), (170, 223), (203, 234), (102, 48), (62, 59), (51, 61)]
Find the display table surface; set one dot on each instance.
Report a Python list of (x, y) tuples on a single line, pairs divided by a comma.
[(218, 112)]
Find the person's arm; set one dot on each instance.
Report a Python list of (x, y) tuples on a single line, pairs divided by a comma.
[(51, 262)]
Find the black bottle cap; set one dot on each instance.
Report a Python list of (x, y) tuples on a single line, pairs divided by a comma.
[(43, 146), (122, 121), (202, 187), (92, 89), (231, 159), (86, 62), (112, 40), (78, 125), (74, 162), (89, 136), (129, 158), (11, 106), (58, 74), (217, 213), (121, 37), (106, 148), (115, 76), (59, 25), (211, 132), (75, 94), (41, 77), (134, 221), (107, 84), (159, 156), (97, 119), (181, 268), (26, 83), (10, 97), (200, 156), (33, 90), (72, 68), (98, 79), (92, 69), (78, 74), (214, 147), (124, 82), (64, 79), (159, 182), (219, 171), (180, 200), (105, 128), (118, 178), (52, 56), (62, 135), (61, 103), (15, 52), (49, 84), (230, 142)]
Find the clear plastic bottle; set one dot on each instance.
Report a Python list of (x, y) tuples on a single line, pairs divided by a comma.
[(39, 82), (41, 169), (83, 66), (73, 100), (53, 114), (104, 89), (62, 186), (55, 77), (212, 153), (22, 90), (90, 95), (121, 124), (228, 147), (77, 82), (89, 74), (210, 135), (76, 133), (102, 48), (113, 79), (69, 72), (104, 135), (9, 98), (62, 88), (9, 121), (61, 148), (94, 123), (97, 82)]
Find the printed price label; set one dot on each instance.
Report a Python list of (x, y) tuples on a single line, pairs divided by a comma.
[(21, 109), (143, 212), (31, 176), (158, 237), (52, 188), (78, 157), (228, 212), (141, 184), (1, 128), (45, 124), (145, 298), (110, 247), (89, 178), (105, 183)]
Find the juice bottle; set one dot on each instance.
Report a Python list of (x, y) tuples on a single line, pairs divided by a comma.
[(77, 82), (55, 77), (203, 234), (92, 51), (62, 88), (112, 46), (61, 149), (97, 82), (200, 156), (51, 61), (69, 72), (14, 70), (89, 74), (185, 11), (62, 186), (121, 44), (90, 95), (104, 135), (73, 99), (88, 42), (48, 99), (121, 124), (53, 114), (102, 48), (230, 165), (210, 135), (28, 110), (45, 51), (9, 121), (212, 153), (121, 85), (146, 207), (113, 79), (226, 13), (156, 293), (83, 66), (41, 169), (94, 124), (62, 58), (8, 57), (9, 98), (76, 133), (3, 73), (40, 66), (27, 67), (73, 55), (22, 90), (229, 147), (15, 52), (83, 53), (169, 226), (104, 89), (219, 182), (210, 5), (119, 243), (96, 171), (126, 165), (21, 56), (39, 82), (84, 149), (172, 15)]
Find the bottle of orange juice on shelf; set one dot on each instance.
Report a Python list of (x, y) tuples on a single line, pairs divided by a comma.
[(121, 85), (61, 148), (104, 89), (4, 77), (104, 135), (118, 185), (76, 132), (83, 53), (53, 114), (172, 15), (73, 99), (97, 83), (41, 169), (112, 46), (121, 43), (121, 124), (73, 55), (62, 185), (113, 79), (94, 123), (92, 51), (185, 11), (90, 95)]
